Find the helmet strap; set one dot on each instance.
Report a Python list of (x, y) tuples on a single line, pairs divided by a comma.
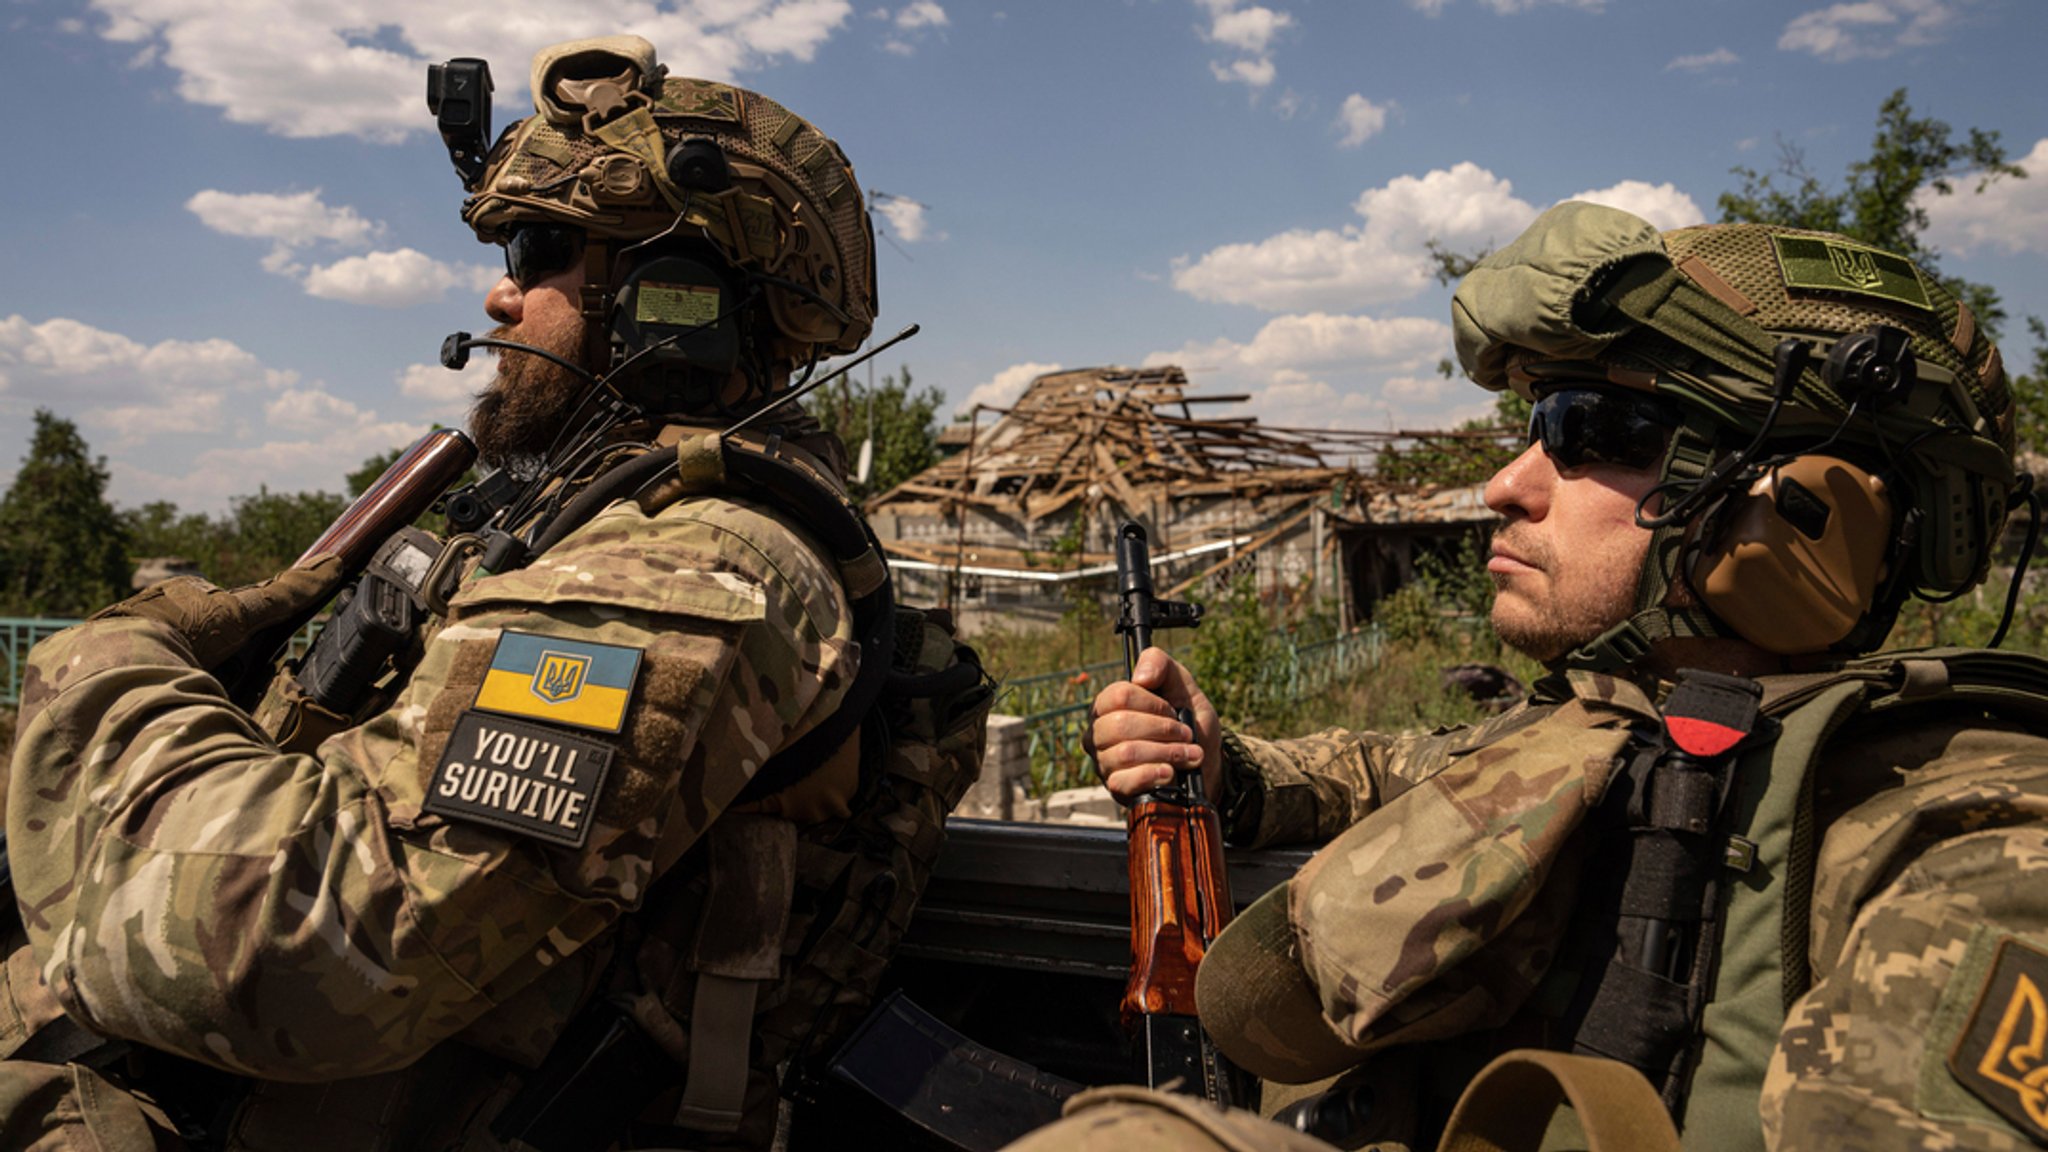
[(596, 301), (1687, 460)]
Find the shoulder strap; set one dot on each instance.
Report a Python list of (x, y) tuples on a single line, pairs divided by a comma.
[(1508, 1106), (777, 474)]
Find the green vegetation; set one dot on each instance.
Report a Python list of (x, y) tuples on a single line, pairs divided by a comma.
[(1877, 201), (62, 548), (903, 423)]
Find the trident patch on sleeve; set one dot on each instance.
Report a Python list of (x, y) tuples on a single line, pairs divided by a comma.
[(520, 777), (2002, 1054), (572, 682)]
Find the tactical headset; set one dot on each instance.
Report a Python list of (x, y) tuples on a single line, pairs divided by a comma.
[(1843, 431), (696, 202)]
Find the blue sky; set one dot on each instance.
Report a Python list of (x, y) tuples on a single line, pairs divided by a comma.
[(231, 247)]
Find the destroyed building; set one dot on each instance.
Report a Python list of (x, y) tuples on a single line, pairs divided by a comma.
[(1020, 518)]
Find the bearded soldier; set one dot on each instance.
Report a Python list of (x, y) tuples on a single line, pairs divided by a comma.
[(1723, 867), (580, 872)]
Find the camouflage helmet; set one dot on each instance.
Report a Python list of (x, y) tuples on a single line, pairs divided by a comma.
[(626, 153), (1919, 408)]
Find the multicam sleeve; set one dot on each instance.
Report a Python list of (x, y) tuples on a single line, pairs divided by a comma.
[(311, 917), (1925, 1025), (1303, 790), (1308, 789)]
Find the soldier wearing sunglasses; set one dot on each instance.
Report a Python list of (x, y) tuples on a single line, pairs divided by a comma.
[(584, 865), (1726, 874)]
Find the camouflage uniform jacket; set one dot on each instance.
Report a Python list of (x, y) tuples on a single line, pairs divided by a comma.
[(1926, 911), (304, 917)]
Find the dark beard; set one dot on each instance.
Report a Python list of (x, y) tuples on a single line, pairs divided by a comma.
[(517, 420)]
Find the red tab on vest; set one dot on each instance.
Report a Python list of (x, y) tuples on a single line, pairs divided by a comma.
[(1702, 738), (1708, 713)]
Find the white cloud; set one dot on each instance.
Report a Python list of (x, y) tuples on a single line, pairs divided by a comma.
[(1867, 29), (188, 421), (1380, 260), (913, 22), (397, 279), (64, 363), (211, 479), (921, 14), (1248, 31), (1506, 7), (1385, 258), (1251, 73), (1661, 204), (298, 221), (355, 70), (447, 395), (1701, 62), (292, 219), (1320, 340), (1002, 389), (1323, 370), (310, 410), (906, 217), (2009, 215), (1361, 120)]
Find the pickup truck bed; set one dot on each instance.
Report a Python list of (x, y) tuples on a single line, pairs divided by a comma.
[(1022, 942)]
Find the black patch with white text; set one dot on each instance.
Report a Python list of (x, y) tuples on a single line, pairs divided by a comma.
[(522, 777), (1998, 1057)]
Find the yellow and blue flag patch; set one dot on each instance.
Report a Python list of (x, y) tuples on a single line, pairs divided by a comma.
[(572, 682)]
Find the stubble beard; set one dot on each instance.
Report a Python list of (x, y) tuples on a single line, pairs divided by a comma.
[(518, 417), (1548, 627)]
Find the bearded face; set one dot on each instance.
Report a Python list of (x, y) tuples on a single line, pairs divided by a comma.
[(518, 417)]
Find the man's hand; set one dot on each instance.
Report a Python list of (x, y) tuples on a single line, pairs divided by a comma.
[(217, 622), (1134, 739)]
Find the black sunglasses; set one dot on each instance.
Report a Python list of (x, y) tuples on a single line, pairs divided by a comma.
[(534, 252), (1581, 426)]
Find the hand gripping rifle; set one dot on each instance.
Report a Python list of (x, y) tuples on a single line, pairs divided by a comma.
[(373, 617), (1180, 893)]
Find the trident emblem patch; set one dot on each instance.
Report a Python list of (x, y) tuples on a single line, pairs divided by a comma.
[(1855, 266), (580, 683), (560, 676), (1999, 1055)]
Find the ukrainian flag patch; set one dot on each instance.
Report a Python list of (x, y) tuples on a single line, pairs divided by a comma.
[(571, 682)]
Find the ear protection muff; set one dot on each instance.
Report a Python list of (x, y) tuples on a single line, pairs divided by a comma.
[(1795, 562), (677, 331)]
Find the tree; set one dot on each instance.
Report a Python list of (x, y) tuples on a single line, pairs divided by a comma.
[(2030, 394), (1879, 202), (904, 423), (62, 548), (260, 536)]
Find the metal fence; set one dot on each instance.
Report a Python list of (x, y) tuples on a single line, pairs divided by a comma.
[(17, 636), (1054, 706)]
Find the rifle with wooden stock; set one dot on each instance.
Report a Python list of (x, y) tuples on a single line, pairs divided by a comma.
[(1180, 893), (380, 560)]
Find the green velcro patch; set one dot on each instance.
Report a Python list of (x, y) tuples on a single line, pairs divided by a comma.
[(524, 778), (676, 305), (1816, 265), (1999, 1054), (551, 147), (699, 100)]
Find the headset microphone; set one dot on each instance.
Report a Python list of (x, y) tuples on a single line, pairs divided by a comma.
[(455, 354)]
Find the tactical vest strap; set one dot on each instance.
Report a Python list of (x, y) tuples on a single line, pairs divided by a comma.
[(1617, 1109), (1643, 1006), (721, 1028), (738, 949)]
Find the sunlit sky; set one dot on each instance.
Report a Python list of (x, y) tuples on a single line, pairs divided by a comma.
[(231, 248)]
